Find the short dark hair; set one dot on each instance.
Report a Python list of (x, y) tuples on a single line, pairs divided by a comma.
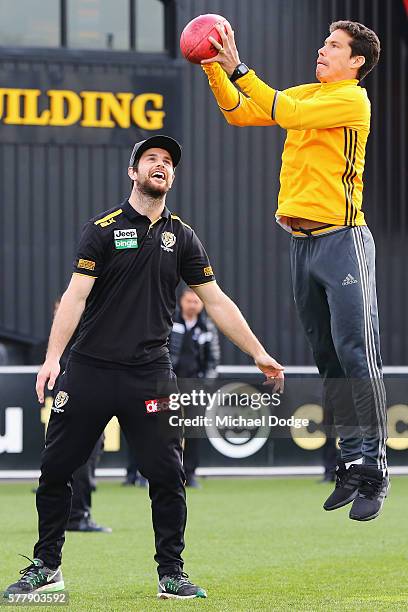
[(364, 42), (135, 167), (186, 290)]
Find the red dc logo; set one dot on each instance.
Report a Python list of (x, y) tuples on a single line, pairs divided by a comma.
[(152, 405), (157, 405)]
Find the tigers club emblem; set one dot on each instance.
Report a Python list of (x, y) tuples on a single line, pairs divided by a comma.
[(61, 399), (168, 240)]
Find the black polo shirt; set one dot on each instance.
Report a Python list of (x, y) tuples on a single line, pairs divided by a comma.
[(138, 265)]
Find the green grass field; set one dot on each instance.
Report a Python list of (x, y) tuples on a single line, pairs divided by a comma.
[(260, 544)]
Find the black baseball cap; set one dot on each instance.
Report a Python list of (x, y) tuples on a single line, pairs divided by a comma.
[(160, 142)]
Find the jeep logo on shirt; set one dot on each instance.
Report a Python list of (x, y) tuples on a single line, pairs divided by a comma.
[(125, 238)]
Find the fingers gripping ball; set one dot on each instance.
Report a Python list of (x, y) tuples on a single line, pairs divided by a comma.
[(194, 43)]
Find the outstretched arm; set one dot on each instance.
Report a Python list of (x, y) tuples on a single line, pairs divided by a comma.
[(229, 320), (344, 107), (236, 108)]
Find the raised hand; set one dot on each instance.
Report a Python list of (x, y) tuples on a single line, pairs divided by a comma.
[(228, 56)]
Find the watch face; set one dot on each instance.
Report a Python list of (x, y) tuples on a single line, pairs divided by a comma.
[(239, 71)]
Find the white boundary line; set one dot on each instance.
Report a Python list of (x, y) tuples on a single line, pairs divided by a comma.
[(19, 369), (224, 369), (398, 470), (241, 369), (227, 369)]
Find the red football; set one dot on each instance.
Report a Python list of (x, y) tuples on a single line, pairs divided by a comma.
[(194, 43)]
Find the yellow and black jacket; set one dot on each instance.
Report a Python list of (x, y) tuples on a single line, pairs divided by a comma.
[(327, 129)]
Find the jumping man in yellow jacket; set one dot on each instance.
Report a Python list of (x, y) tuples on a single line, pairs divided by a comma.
[(332, 249)]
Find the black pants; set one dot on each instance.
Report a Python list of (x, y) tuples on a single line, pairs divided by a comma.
[(83, 485), (95, 395), (334, 286)]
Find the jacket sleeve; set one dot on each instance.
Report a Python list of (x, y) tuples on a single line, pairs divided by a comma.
[(213, 353), (342, 107), (176, 340), (237, 108), (172, 346)]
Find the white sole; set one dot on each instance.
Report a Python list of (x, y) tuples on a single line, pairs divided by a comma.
[(170, 596), (51, 588)]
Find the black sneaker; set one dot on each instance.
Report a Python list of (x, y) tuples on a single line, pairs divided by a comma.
[(36, 578), (177, 586), (371, 494), (192, 482), (142, 482), (129, 482), (327, 478), (347, 483), (87, 525)]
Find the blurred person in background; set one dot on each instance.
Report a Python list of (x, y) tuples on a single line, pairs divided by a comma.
[(4, 357), (133, 476), (195, 353)]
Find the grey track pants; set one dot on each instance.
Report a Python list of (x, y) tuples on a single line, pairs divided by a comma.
[(333, 279)]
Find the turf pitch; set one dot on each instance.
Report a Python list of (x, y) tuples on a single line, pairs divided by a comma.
[(254, 544)]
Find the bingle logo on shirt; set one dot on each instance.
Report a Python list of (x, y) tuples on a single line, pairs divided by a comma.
[(125, 239)]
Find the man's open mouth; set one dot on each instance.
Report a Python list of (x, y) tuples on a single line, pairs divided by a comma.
[(159, 175)]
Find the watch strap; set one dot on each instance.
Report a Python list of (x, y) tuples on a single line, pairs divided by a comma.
[(239, 71)]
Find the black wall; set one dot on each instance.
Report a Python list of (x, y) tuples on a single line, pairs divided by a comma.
[(227, 184)]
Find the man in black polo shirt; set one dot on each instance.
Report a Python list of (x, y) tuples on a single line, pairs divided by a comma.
[(129, 262)]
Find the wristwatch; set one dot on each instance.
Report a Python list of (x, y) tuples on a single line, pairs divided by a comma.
[(239, 72)]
